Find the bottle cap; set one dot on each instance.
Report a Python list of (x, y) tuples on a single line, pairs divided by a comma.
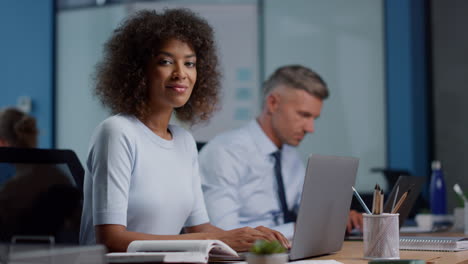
[(436, 165)]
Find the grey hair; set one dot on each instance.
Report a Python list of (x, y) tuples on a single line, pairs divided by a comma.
[(298, 77)]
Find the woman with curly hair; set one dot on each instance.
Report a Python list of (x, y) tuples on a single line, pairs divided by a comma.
[(141, 180)]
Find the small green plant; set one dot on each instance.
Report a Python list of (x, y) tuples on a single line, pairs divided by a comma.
[(263, 247)]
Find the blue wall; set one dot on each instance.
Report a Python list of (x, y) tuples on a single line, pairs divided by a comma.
[(408, 92), (26, 52)]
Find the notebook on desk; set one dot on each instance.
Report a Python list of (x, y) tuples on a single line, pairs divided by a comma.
[(434, 243)]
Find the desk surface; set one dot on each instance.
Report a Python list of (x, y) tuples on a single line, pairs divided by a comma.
[(352, 252)]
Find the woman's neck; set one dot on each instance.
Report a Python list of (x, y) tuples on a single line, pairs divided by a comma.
[(158, 122)]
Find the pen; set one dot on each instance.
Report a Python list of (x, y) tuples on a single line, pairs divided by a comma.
[(361, 201)]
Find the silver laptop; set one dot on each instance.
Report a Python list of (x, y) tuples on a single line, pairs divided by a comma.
[(323, 212)]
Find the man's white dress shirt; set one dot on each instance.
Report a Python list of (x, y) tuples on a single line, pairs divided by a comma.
[(238, 179)]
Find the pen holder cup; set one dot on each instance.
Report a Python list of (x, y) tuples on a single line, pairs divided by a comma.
[(381, 236)]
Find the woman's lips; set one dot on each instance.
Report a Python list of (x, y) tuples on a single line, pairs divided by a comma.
[(177, 87)]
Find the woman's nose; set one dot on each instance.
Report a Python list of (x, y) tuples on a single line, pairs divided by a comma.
[(179, 73)]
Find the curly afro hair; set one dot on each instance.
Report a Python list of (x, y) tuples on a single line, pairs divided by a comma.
[(121, 77)]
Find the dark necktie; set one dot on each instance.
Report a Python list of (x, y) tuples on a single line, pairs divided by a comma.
[(289, 216)]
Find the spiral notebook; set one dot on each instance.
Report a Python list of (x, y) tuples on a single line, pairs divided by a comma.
[(434, 243)]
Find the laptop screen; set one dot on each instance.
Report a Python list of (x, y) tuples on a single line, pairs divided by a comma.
[(324, 208)]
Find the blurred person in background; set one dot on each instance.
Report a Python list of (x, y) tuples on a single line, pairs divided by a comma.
[(17, 129), (35, 199)]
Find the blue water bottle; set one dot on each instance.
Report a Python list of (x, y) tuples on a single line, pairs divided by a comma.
[(437, 190)]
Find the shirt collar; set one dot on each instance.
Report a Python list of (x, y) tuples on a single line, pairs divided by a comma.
[(261, 140)]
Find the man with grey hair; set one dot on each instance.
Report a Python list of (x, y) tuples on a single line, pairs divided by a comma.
[(253, 175)]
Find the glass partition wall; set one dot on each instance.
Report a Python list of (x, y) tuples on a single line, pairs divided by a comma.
[(342, 40)]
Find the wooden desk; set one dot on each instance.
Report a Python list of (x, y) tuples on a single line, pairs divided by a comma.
[(352, 253)]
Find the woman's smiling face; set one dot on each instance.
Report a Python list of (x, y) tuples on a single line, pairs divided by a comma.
[(172, 75)]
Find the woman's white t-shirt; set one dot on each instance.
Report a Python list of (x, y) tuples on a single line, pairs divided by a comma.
[(139, 180)]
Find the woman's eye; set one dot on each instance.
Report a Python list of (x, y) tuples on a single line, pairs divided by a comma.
[(190, 64), (165, 62)]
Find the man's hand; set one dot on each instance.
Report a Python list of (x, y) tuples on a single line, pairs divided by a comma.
[(241, 239), (354, 221)]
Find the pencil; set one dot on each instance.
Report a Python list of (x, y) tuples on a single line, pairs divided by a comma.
[(358, 197), (400, 202), (378, 201), (381, 201), (374, 197), (395, 198)]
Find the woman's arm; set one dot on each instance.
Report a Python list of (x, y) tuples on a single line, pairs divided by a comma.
[(117, 237)]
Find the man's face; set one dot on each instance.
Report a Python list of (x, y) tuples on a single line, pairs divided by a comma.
[(293, 113)]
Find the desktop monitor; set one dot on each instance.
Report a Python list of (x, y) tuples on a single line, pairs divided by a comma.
[(40, 193)]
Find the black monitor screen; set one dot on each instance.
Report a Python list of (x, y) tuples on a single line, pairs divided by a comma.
[(39, 199)]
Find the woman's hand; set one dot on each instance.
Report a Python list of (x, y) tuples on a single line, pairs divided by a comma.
[(241, 239)]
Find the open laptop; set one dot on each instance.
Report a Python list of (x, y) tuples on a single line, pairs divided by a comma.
[(324, 208)]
